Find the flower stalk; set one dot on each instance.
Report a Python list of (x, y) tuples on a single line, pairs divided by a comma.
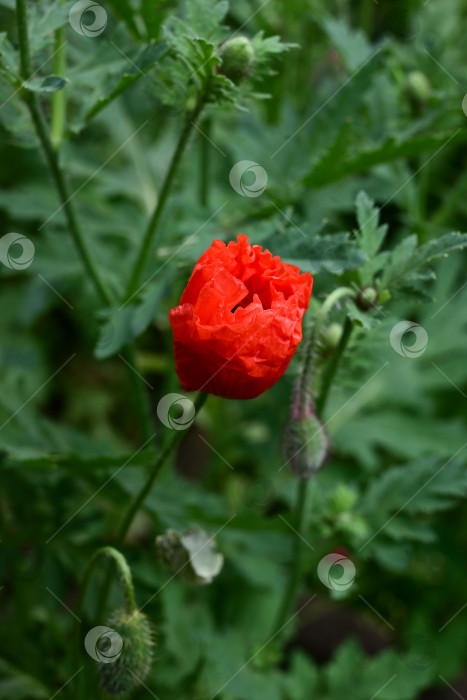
[(304, 395)]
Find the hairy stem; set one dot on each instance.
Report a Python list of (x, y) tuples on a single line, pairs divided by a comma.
[(302, 490), (126, 581), (153, 224)]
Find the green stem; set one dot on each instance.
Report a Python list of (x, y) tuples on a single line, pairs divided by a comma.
[(204, 164), (58, 175), (300, 508), (331, 369), (58, 119), (319, 320), (297, 556), (124, 575), (51, 155), (152, 227), (126, 581), (147, 486)]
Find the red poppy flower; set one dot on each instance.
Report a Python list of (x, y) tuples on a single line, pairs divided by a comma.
[(239, 321)]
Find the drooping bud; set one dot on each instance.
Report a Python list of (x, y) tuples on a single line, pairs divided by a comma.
[(306, 442), (131, 665), (191, 554), (237, 56), (367, 298)]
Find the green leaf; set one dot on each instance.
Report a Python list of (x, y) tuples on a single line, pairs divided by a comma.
[(370, 234), (205, 17), (332, 253), (346, 156), (136, 65), (51, 83), (9, 61), (423, 487), (407, 269), (122, 325), (352, 44)]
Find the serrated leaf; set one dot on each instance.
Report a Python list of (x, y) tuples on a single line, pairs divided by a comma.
[(407, 268), (138, 63), (348, 157), (370, 234), (333, 253), (205, 17), (420, 487)]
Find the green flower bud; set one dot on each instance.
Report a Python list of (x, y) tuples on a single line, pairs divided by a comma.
[(134, 662), (307, 444), (237, 56), (418, 86), (191, 554), (367, 298), (331, 336)]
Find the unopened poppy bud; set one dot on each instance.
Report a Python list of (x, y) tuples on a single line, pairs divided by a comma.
[(331, 336), (367, 298), (237, 56), (131, 664), (306, 444), (191, 554), (418, 86)]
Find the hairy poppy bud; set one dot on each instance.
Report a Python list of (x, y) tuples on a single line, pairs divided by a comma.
[(133, 663), (237, 58), (306, 443), (191, 554)]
